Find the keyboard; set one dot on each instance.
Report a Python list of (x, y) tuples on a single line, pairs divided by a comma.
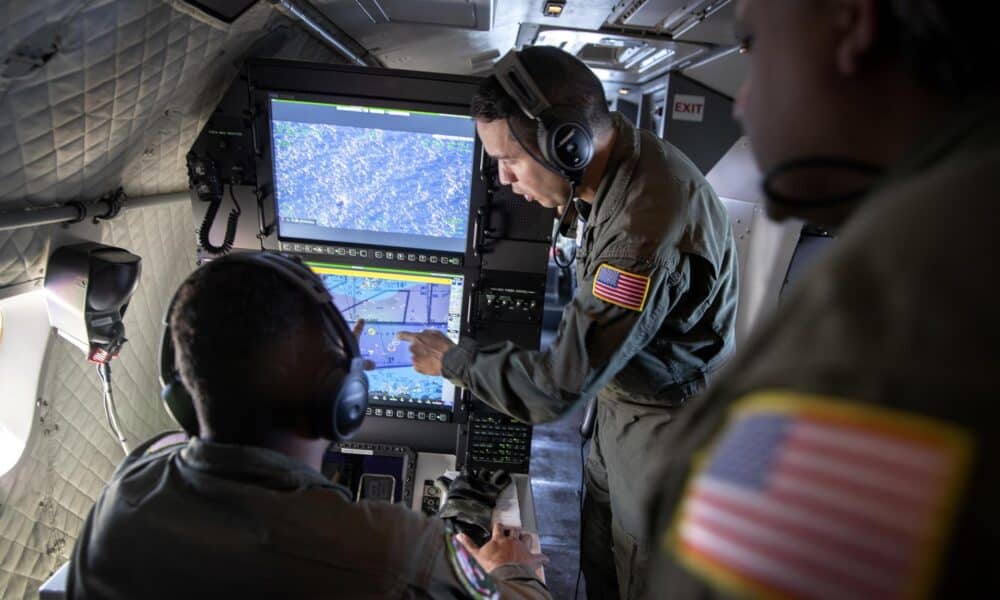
[(498, 441)]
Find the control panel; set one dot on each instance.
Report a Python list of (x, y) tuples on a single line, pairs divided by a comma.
[(510, 305), (498, 442), (430, 498), (381, 472), (303, 158)]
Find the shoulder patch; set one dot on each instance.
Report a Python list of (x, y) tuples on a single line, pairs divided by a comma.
[(811, 497), (474, 578), (621, 288)]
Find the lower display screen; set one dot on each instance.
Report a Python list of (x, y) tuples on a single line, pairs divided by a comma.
[(391, 301)]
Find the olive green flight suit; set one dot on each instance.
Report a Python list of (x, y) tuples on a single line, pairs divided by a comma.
[(654, 217), (209, 520), (897, 329)]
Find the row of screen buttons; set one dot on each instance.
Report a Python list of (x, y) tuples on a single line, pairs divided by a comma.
[(399, 413), (334, 250), (379, 254), (424, 258)]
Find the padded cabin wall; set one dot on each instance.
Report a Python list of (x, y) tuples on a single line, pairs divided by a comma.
[(118, 103), (71, 453)]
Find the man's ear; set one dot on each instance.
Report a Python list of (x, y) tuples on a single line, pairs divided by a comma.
[(857, 23)]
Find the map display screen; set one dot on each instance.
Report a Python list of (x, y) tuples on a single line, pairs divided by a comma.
[(368, 175), (391, 301)]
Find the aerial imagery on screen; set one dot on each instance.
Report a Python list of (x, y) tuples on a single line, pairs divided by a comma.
[(407, 175), (391, 302)]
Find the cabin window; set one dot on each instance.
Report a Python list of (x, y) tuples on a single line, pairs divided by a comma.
[(24, 334)]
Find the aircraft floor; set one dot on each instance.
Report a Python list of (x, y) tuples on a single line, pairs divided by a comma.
[(555, 479)]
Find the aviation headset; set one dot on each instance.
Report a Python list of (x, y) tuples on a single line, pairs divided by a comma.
[(339, 401), (565, 140)]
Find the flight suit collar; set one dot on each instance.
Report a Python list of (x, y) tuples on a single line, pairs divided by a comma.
[(974, 125), (617, 176), (263, 467)]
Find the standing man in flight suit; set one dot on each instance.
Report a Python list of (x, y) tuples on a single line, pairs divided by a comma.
[(851, 448), (654, 311)]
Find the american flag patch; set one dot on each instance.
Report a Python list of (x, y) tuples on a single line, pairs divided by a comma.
[(805, 497), (621, 288)]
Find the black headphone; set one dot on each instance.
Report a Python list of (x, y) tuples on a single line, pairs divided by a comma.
[(340, 399), (565, 140)]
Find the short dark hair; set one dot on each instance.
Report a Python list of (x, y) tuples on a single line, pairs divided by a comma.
[(250, 349), (566, 82), (946, 45)]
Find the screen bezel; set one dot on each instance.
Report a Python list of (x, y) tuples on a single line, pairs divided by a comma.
[(267, 144)]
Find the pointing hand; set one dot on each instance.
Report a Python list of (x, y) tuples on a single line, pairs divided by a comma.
[(428, 348)]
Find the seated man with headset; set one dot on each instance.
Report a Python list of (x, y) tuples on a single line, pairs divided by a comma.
[(242, 509)]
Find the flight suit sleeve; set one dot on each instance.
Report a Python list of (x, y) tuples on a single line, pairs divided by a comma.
[(602, 328), (456, 574)]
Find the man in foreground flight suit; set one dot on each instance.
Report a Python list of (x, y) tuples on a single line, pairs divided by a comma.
[(653, 314), (243, 510), (850, 449)]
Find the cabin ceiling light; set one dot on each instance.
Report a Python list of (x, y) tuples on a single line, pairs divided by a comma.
[(553, 8), (623, 91)]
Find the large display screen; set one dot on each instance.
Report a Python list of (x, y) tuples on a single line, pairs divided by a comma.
[(391, 301), (369, 175)]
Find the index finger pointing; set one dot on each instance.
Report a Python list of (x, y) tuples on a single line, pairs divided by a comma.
[(406, 336), (359, 325)]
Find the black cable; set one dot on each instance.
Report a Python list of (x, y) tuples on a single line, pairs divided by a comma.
[(231, 222), (569, 208), (104, 372)]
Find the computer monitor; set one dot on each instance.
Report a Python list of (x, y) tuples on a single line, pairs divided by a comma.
[(355, 172), (391, 301)]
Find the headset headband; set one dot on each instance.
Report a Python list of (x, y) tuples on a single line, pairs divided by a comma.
[(565, 140), (517, 82)]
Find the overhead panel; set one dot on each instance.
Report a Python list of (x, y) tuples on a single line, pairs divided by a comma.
[(463, 14), (449, 36), (716, 21), (600, 54), (617, 58), (645, 13)]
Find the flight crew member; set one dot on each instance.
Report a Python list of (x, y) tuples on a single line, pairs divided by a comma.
[(653, 314), (243, 510), (850, 448)]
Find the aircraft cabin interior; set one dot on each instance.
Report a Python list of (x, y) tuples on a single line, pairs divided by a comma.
[(143, 138)]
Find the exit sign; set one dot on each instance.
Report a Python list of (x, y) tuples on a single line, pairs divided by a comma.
[(689, 108)]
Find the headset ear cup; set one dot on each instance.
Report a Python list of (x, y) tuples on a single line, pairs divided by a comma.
[(352, 401), (566, 143), (180, 406)]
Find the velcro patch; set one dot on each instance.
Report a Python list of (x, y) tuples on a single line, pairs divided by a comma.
[(474, 578), (621, 288), (812, 497)]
